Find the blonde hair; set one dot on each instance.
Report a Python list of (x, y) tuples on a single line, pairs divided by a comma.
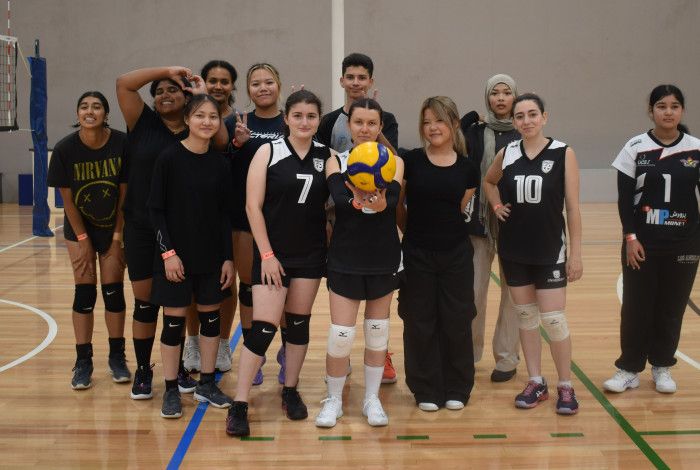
[(446, 110), (273, 71)]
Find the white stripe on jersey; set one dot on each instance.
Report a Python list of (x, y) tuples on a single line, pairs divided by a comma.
[(280, 151), (562, 252), (626, 160), (512, 152), (343, 159), (697, 197)]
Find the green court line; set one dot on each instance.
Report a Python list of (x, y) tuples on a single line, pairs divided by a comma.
[(490, 436), (566, 434), (334, 438), (670, 433), (633, 434), (257, 438), (413, 438)]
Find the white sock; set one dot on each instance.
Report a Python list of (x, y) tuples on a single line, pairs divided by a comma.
[(373, 380), (537, 379), (335, 386), (565, 383)]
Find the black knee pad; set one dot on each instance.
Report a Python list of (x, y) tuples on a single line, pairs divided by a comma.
[(85, 298), (260, 337), (113, 296), (173, 329), (245, 294), (297, 328), (209, 323), (145, 312)]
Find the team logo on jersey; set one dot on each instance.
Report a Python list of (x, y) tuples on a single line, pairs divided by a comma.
[(643, 161), (688, 259), (689, 162), (547, 166), (318, 164), (665, 217), (556, 274)]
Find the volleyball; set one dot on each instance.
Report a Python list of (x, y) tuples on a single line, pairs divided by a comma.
[(371, 166)]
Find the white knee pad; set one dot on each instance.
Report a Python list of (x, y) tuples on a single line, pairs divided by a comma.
[(340, 340), (377, 334), (554, 323), (528, 316)]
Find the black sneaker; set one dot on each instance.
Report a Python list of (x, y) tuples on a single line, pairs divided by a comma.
[(237, 419), (185, 382), (533, 394), (82, 374), (117, 366), (567, 403), (210, 393), (292, 404), (501, 376), (172, 406), (141, 388)]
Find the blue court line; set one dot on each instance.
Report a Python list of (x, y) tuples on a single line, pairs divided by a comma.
[(196, 420)]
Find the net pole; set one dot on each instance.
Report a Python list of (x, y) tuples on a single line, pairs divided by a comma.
[(37, 116)]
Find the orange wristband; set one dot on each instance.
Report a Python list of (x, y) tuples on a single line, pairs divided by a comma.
[(630, 236), (82, 236), (497, 206), (236, 144), (168, 254), (356, 204), (268, 255)]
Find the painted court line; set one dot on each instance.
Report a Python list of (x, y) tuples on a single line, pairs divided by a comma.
[(9, 247), (53, 330)]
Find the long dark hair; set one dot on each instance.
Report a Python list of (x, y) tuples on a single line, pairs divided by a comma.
[(661, 92), (301, 96), (99, 96), (224, 65)]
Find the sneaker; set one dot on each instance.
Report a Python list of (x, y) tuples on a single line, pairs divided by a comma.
[(372, 409), (427, 406), (210, 393), (621, 381), (258, 379), (82, 374), (567, 403), (389, 375), (172, 406), (663, 380), (293, 405), (331, 410), (141, 388), (237, 419), (223, 356), (117, 367), (190, 355), (533, 394), (502, 376), (454, 405), (282, 361), (185, 382)]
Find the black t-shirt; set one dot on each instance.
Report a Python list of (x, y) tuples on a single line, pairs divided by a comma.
[(149, 137), (93, 175), (333, 131), (433, 198), (193, 190), (262, 130), (294, 206)]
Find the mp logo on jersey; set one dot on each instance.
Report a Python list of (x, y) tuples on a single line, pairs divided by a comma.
[(665, 217), (318, 164), (547, 166)]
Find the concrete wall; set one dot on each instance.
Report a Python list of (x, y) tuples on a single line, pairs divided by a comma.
[(593, 62)]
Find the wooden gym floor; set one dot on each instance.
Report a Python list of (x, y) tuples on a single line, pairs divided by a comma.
[(46, 424)]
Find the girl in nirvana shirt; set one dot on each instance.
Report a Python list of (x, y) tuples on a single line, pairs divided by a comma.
[(189, 212), (87, 167), (657, 184), (436, 302)]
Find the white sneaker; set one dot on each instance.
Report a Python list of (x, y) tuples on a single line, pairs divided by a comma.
[(223, 356), (330, 412), (454, 405), (425, 406), (372, 408), (190, 356), (621, 381), (664, 381)]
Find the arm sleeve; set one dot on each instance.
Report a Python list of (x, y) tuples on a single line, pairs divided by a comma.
[(339, 193), (156, 205), (392, 194), (391, 129), (625, 201)]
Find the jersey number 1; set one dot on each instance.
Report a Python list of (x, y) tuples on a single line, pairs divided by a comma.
[(308, 179), (528, 188)]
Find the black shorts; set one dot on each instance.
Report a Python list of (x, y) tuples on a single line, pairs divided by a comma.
[(362, 286), (205, 289), (552, 276), (101, 238), (139, 250), (316, 272)]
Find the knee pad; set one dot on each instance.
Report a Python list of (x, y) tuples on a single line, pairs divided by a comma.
[(297, 328), (245, 294), (145, 312), (340, 340), (209, 323), (528, 316), (260, 337), (173, 329), (377, 334), (554, 323), (85, 298), (113, 296)]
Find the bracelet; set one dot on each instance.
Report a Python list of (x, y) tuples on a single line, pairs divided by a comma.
[(356, 204), (168, 254), (497, 206), (630, 236), (82, 236), (236, 143), (268, 255)]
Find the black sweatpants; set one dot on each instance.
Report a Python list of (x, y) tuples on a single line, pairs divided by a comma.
[(653, 303), (436, 303)]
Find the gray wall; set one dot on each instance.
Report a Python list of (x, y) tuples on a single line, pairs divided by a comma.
[(594, 62)]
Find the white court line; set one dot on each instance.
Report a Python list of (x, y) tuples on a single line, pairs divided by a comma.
[(678, 354), (53, 330), (27, 240)]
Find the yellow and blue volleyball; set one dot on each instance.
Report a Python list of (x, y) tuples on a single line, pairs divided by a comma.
[(371, 166)]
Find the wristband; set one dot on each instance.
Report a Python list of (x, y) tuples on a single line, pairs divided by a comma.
[(268, 255), (168, 254), (630, 236), (236, 143), (82, 236), (356, 204), (497, 206)]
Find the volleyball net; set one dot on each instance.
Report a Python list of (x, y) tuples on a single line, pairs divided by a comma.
[(8, 83)]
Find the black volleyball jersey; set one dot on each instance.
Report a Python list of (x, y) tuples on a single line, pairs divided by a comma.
[(363, 241), (294, 206), (666, 195), (534, 232)]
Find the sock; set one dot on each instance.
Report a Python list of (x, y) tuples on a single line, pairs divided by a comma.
[(205, 378), (116, 347), (565, 383), (335, 386), (142, 349), (283, 335), (84, 351), (171, 384), (181, 366), (373, 379), (538, 379)]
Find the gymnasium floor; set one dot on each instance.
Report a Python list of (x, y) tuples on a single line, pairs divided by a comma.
[(46, 424)]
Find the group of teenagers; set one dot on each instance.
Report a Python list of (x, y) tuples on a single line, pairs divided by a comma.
[(198, 193)]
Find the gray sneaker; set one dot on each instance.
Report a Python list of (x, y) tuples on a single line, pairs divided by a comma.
[(82, 374), (117, 367), (172, 406), (210, 393)]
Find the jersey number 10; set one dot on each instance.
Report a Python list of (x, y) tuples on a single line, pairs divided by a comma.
[(528, 188)]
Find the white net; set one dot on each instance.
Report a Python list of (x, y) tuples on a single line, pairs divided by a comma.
[(8, 83)]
